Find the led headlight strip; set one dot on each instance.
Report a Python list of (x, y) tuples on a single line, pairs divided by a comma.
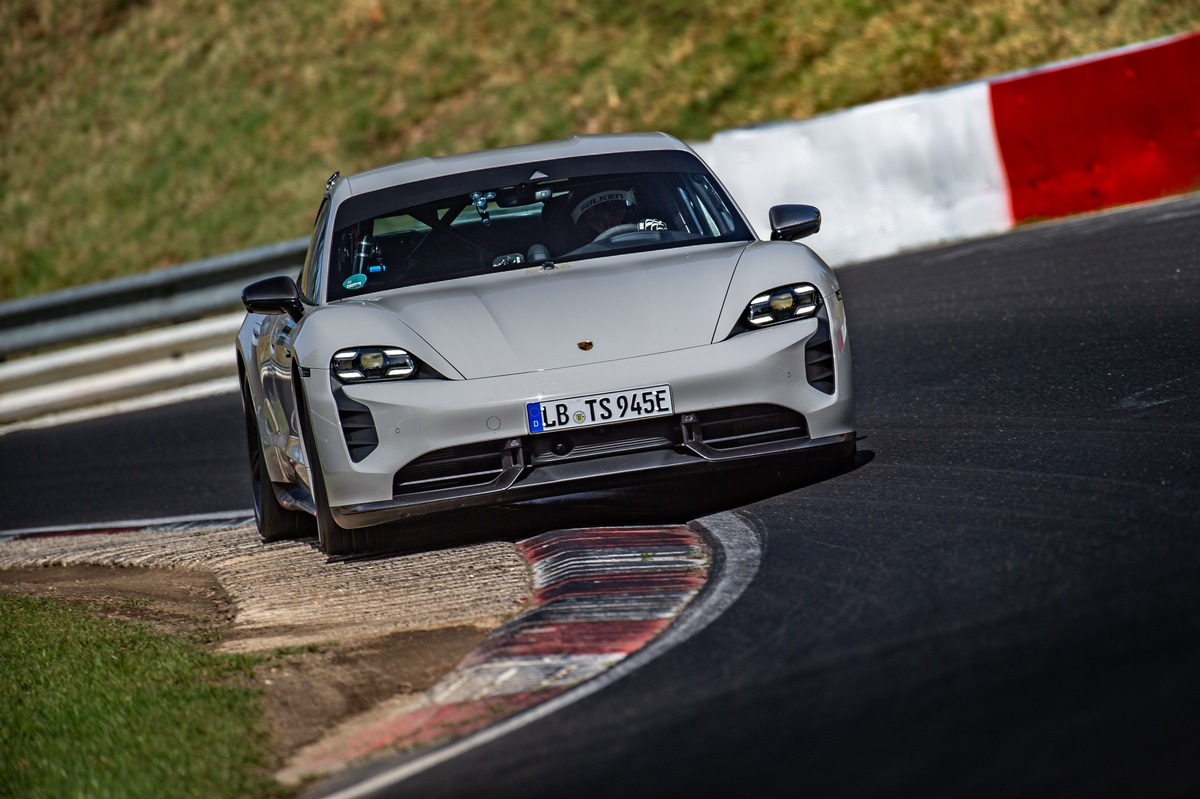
[(372, 363), (783, 305)]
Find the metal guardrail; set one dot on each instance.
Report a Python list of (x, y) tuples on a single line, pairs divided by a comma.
[(162, 330), (138, 368), (164, 297)]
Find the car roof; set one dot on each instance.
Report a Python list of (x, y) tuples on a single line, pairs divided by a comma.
[(425, 168)]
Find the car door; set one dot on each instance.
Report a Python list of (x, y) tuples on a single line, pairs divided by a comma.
[(275, 356)]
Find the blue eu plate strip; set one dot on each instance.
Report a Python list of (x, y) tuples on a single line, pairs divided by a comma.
[(534, 409)]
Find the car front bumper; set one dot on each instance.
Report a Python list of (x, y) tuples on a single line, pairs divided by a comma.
[(415, 418), (634, 469)]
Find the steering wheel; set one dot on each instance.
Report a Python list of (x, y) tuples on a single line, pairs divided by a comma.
[(617, 230)]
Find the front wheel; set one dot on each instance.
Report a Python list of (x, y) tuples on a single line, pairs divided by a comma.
[(274, 522), (334, 540)]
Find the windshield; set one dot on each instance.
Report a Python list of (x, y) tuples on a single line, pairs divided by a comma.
[(482, 227)]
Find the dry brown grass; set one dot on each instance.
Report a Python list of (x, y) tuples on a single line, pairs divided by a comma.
[(139, 134)]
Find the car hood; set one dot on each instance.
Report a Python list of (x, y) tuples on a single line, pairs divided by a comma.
[(532, 319)]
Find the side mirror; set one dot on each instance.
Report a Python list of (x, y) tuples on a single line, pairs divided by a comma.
[(791, 222), (274, 295)]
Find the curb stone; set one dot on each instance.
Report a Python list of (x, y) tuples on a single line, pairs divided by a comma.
[(599, 596)]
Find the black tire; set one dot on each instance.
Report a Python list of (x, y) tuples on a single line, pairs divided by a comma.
[(334, 540), (275, 523)]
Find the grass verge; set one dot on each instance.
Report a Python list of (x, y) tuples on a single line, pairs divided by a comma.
[(107, 708)]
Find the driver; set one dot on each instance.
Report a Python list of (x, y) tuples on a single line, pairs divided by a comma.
[(610, 209)]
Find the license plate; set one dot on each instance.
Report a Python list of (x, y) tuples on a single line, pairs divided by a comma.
[(596, 409)]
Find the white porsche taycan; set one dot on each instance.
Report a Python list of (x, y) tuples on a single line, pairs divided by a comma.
[(530, 322)]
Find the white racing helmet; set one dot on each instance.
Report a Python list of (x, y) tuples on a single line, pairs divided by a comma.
[(622, 196)]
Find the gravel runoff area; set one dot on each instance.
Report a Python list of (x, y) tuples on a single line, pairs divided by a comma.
[(287, 594)]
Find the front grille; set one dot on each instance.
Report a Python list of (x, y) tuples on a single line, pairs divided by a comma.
[(593, 442), (747, 425), (496, 464), (453, 467), (358, 427)]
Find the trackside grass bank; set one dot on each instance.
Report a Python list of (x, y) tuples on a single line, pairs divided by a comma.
[(109, 708), (136, 134)]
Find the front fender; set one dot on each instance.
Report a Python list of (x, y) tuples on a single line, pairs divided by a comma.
[(766, 265), (329, 328)]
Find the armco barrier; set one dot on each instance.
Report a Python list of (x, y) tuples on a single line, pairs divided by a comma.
[(969, 160), (109, 371), (162, 297)]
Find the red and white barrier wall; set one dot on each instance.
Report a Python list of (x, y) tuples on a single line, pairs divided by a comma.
[(1115, 128)]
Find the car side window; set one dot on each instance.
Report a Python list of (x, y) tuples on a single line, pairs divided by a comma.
[(314, 261)]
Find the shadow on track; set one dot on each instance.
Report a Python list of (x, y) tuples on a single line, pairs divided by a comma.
[(659, 502)]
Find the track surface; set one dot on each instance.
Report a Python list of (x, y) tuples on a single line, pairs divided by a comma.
[(1003, 599)]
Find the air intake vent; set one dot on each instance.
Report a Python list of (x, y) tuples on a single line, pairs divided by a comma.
[(818, 357), (747, 425), (358, 427), (453, 467)]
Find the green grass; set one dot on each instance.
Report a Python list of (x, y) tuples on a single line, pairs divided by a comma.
[(135, 135), (104, 708)]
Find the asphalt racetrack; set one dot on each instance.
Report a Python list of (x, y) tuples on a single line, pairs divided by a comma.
[(1002, 599)]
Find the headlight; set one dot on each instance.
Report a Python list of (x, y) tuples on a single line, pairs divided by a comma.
[(372, 363), (783, 305)]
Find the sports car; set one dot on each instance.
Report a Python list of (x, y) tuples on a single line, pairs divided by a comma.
[(533, 322)]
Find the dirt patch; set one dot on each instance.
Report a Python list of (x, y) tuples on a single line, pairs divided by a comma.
[(307, 693), (178, 602), (307, 687)]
